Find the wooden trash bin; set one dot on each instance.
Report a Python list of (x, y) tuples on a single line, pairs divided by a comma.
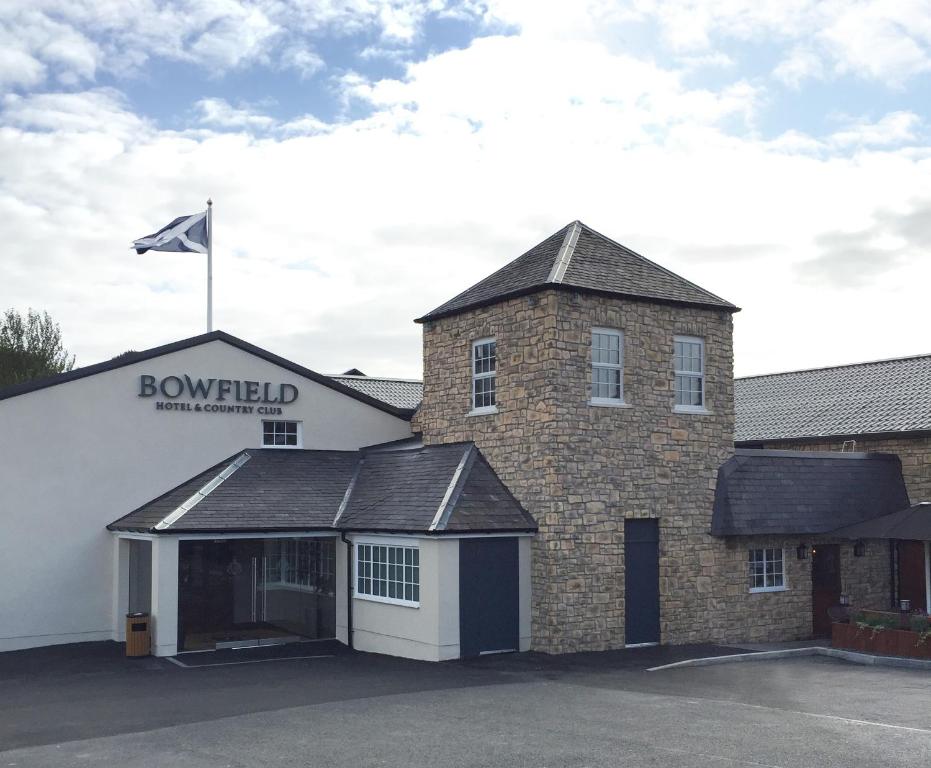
[(138, 634)]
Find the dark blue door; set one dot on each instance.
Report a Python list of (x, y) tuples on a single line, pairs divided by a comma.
[(488, 595), (641, 581)]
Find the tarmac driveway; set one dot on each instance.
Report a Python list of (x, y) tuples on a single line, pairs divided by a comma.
[(85, 705)]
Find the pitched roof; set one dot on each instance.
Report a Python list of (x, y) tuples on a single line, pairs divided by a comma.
[(400, 393), (577, 257), (804, 492), (273, 489), (129, 358), (912, 524), (438, 489), (846, 400)]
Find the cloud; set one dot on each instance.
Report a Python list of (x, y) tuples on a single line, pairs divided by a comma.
[(453, 168), (221, 114), (894, 128), (858, 259), (76, 39), (877, 40)]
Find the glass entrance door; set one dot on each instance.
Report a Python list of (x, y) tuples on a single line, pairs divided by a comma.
[(244, 592)]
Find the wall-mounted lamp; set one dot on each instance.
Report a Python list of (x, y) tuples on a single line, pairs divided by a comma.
[(859, 548), (905, 605), (844, 599), (801, 551)]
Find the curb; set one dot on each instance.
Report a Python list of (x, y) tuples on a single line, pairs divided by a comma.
[(816, 650)]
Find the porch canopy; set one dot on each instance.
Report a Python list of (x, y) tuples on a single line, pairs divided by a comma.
[(912, 527), (912, 524)]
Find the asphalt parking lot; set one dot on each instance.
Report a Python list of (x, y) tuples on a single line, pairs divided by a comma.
[(85, 705)]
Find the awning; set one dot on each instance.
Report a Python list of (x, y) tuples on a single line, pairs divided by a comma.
[(913, 524)]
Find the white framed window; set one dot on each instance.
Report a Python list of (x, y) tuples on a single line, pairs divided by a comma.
[(484, 375), (388, 573), (607, 367), (689, 367), (282, 434), (767, 570)]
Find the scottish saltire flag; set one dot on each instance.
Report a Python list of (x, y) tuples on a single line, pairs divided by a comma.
[(186, 233)]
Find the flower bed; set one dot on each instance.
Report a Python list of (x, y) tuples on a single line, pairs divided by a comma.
[(881, 634)]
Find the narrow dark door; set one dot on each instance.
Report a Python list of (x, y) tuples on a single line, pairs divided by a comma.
[(825, 586), (912, 572), (488, 595), (641, 581)]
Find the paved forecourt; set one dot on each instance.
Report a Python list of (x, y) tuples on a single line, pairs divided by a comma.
[(361, 710)]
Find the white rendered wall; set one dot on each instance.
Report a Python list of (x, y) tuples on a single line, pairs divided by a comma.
[(76, 456), (429, 632)]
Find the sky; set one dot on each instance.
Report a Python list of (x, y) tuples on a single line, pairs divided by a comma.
[(369, 159)]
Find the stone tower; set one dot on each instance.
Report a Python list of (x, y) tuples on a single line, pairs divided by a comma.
[(600, 387)]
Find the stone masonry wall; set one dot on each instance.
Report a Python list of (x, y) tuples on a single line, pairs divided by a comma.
[(787, 615), (915, 453), (581, 469)]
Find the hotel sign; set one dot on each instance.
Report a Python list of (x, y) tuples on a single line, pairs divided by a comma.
[(182, 393)]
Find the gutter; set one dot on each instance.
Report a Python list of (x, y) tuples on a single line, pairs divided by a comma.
[(349, 569)]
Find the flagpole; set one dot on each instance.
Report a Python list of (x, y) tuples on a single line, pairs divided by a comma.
[(209, 265)]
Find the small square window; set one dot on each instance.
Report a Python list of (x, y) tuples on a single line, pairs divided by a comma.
[(767, 573), (281, 434)]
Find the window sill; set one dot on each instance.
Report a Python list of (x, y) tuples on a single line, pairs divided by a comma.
[(757, 590), (598, 402), (487, 410), (700, 410), (387, 600)]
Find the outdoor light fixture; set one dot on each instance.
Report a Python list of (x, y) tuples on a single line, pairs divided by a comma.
[(801, 552), (905, 605), (859, 549), (844, 599)]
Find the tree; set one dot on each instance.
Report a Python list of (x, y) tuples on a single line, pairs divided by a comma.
[(30, 347)]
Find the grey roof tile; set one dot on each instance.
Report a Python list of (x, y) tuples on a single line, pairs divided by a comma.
[(290, 490), (847, 400), (803, 492), (400, 393), (597, 264)]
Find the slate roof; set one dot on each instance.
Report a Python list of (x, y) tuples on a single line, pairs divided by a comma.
[(129, 358), (577, 257), (434, 489), (804, 492), (886, 396), (276, 489), (405, 394), (912, 524), (442, 488)]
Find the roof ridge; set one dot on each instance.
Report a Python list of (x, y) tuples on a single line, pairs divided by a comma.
[(375, 378), (878, 361), (497, 271), (654, 264), (202, 493), (564, 254), (441, 518), (121, 361)]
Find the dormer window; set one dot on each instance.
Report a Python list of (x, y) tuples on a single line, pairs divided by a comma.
[(607, 367), (689, 364), (484, 375)]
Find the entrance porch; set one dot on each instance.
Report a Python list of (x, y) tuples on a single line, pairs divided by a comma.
[(231, 591)]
